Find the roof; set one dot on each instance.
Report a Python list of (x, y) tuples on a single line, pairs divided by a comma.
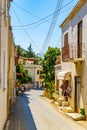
[(25, 58), (73, 12)]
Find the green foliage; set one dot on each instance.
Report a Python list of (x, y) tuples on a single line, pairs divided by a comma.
[(25, 78), (25, 53), (82, 111), (49, 62), (48, 72), (30, 52), (49, 90), (20, 51)]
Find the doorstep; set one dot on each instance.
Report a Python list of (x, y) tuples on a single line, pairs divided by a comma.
[(71, 115), (76, 116)]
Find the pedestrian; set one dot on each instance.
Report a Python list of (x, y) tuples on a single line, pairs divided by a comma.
[(22, 89), (16, 91)]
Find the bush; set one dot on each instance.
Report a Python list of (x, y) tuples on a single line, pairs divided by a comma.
[(82, 111), (49, 89)]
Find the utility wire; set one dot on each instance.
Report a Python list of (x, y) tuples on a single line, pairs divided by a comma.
[(26, 10), (52, 26), (43, 22), (25, 29), (51, 15)]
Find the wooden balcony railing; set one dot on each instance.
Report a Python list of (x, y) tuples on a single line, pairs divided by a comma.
[(69, 51)]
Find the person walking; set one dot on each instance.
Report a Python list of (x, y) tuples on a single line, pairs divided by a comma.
[(22, 89)]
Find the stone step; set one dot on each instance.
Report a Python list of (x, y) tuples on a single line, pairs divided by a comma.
[(67, 109), (65, 104), (56, 104), (60, 100), (76, 116)]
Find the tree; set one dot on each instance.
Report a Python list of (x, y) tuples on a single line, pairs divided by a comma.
[(30, 51), (19, 50), (48, 65)]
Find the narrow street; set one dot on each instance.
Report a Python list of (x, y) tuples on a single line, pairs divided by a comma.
[(33, 112)]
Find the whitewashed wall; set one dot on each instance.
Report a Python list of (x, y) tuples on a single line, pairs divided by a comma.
[(71, 28)]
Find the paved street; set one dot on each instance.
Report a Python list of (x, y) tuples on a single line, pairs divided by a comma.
[(33, 112)]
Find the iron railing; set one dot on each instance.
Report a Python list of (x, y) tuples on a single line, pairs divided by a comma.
[(69, 51)]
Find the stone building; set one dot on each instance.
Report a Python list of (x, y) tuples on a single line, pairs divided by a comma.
[(34, 70)]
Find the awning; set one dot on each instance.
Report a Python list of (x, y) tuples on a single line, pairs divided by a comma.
[(64, 75)]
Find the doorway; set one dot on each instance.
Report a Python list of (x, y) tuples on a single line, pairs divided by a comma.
[(77, 93)]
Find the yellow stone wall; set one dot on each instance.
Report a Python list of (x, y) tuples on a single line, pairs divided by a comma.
[(6, 74), (11, 67)]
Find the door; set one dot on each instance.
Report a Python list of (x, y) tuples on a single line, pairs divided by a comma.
[(79, 44), (77, 93)]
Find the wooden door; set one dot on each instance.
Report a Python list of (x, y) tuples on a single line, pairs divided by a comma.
[(77, 93)]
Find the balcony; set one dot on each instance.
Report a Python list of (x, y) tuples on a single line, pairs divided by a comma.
[(72, 52)]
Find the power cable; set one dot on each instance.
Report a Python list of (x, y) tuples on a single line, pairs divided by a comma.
[(52, 26), (25, 29), (26, 10), (51, 15), (43, 22)]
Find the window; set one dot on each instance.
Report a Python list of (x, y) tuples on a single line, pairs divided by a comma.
[(80, 32), (37, 71), (65, 38), (79, 44)]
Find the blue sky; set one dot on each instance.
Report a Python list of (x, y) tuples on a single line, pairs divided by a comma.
[(21, 11)]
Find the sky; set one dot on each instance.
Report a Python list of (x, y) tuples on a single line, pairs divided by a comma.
[(32, 14)]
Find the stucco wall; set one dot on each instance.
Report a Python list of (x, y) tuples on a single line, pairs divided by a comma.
[(31, 72)]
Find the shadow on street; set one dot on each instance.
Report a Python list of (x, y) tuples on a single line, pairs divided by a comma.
[(21, 116)]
